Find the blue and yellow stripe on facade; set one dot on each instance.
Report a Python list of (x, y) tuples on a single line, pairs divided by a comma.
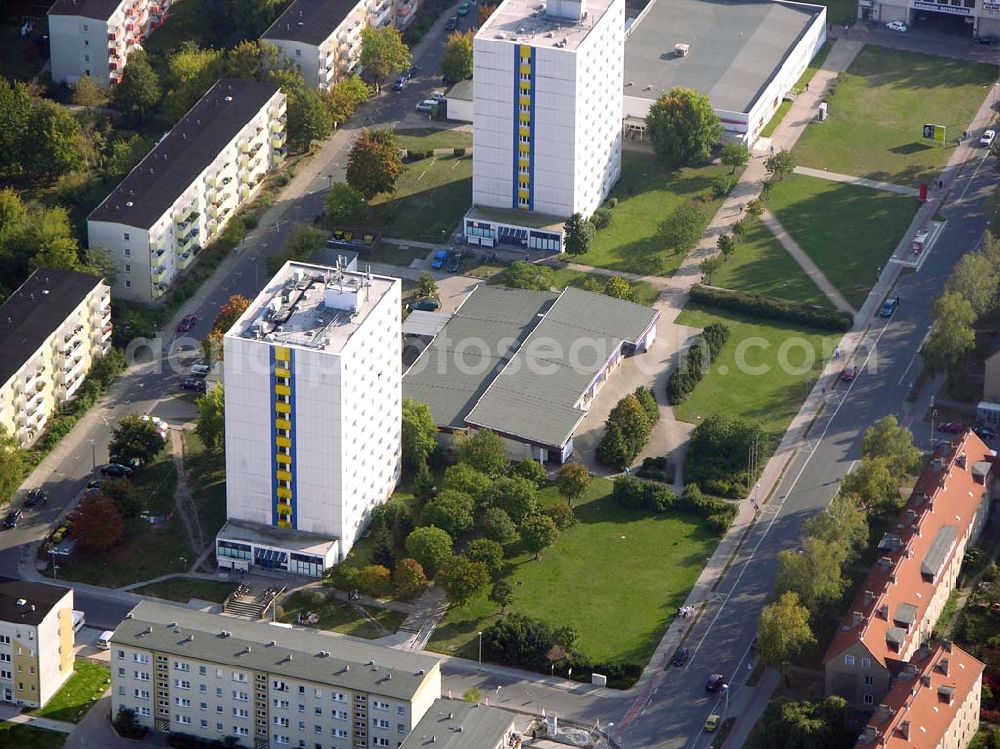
[(524, 125), (283, 500)]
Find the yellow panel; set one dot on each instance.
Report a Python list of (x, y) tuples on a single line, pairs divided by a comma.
[(523, 147), (281, 372), (283, 408), (283, 475), (525, 118), (522, 193), (282, 390), (284, 509), (282, 423), (526, 69), (525, 86), (282, 442), (281, 353), (526, 131), (283, 492), (524, 50), (284, 524), (522, 161), (525, 100), (282, 458)]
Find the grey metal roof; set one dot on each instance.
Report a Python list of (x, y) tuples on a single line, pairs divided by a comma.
[(461, 90), (536, 396), (938, 550), (895, 635), (736, 47), (310, 21), (461, 362), (424, 322), (454, 724), (296, 653), (906, 613)]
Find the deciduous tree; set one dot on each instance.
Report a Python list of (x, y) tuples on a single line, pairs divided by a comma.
[(408, 578), (538, 532), (430, 546), (419, 433), (844, 523), (682, 229), (344, 204), (620, 288), (383, 51), (975, 278), (139, 91), (135, 437), (55, 147), (87, 92), (783, 631), (451, 511), (211, 424), (465, 478), (484, 451), (230, 312), (502, 595), (872, 483), (780, 164), (99, 525), (516, 496), (16, 107), (951, 335), (498, 526), (309, 119), (12, 465), (191, 71), (344, 97), (726, 245), (426, 285), (574, 481), (579, 234), (489, 553), (683, 127), (734, 155), (55, 245), (456, 62), (887, 439), (374, 164), (463, 579), (813, 572)]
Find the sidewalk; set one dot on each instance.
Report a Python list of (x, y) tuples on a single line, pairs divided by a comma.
[(13, 714), (850, 179)]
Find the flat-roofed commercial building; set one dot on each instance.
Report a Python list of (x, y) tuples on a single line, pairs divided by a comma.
[(36, 641), (313, 424), (180, 197), (52, 329), (95, 37), (745, 56), (267, 685), (323, 37)]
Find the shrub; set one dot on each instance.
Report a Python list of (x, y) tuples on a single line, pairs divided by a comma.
[(612, 203), (459, 152), (415, 155), (344, 576), (533, 471), (657, 469), (771, 308), (722, 185), (633, 494), (621, 675), (627, 430), (695, 362), (562, 515), (375, 580), (408, 578), (430, 546), (716, 458), (601, 218)]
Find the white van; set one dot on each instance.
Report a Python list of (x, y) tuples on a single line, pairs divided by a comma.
[(79, 620), (104, 641), (427, 105)]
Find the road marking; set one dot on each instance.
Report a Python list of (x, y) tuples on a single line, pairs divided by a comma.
[(972, 177), (914, 357)]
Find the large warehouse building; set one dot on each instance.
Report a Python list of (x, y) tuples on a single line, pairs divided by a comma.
[(745, 56)]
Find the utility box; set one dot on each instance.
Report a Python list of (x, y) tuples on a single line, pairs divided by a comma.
[(822, 114)]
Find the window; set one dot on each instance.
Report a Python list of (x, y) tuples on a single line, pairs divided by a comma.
[(279, 721), (182, 684), (400, 728), (302, 689), (869, 680), (202, 670), (86, 42), (848, 660), (241, 730), (140, 657), (203, 688), (400, 709), (302, 725), (128, 252), (298, 53), (142, 694), (218, 691), (179, 666), (86, 27), (126, 236), (241, 712), (866, 662), (241, 696), (869, 700), (219, 728), (182, 702), (86, 58), (145, 711), (204, 724), (379, 741), (281, 686), (140, 675), (128, 268), (203, 706), (380, 723), (128, 284), (283, 704)]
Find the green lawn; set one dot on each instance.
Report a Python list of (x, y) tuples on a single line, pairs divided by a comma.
[(206, 472), (339, 617), (879, 106), (786, 104), (646, 196), (157, 483), (183, 589), (848, 231), (88, 682), (431, 197), (425, 138), (617, 576), (761, 265), (15, 736), (763, 372)]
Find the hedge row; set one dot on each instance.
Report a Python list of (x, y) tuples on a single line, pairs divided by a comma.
[(633, 494), (771, 308), (697, 359), (657, 469)]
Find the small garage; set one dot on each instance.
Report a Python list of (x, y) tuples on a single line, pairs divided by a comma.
[(459, 99)]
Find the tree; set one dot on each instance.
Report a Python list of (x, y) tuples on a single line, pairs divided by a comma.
[(522, 275), (375, 580), (887, 439), (135, 437), (489, 553), (726, 245), (139, 90), (813, 572), (844, 522), (99, 262), (16, 105), (419, 433), (54, 241), (807, 724), (620, 288), (382, 51), (780, 164), (683, 127), (574, 481), (538, 532), (191, 71), (55, 141), (211, 424), (344, 204), (232, 21), (456, 62), (682, 229), (632, 418), (127, 725), (309, 119), (463, 579), (426, 285), (451, 511), (12, 465), (230, 312), (87, 92), (755, 208), (344, 97), (497, 526), (614, 450), (951, 335), (502, 595), (873, 485), (430, 546), (465, 478), (976, 279), (408, 578), (123, 493), (783, 631), (708, 267), (485, 452), (734, 155), (303, 242), (99, 525), (716, 458), (485, 11), (516, 496), (579, 234), (374, 164)]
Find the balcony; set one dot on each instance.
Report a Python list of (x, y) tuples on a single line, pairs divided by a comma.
[(186, 244), (185, 259), (278, 140)]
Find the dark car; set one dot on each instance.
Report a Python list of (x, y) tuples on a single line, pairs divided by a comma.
[(400, 83), (849, 373), (454, 262), (988, 40), (889, 306), (193, 384), (426, 305), (13, 518), (413, 70), (715, 682), (452, 24), (95, 483), (984, 432), (951, 427), (116, 470), (680, 657), (35, 497), (187, 323)]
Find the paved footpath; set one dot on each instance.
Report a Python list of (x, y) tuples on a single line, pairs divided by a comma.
[(13, 714), (850, 179)]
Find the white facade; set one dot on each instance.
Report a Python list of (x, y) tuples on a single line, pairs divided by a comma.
[(547, 107), (98, 47), (150, 257), (313, 405)]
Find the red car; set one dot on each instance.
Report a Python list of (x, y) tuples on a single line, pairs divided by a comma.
[(951, 427), (849, 373), (186, 325)]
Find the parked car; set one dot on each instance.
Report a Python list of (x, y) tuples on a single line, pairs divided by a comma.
[(984, 432), (13, 518), (117, 470), (200, 370), (427, 105), (400, 83), (91, 492), (35, 497), (849, 373), (413, 71), (193, 385), (427, 304), (187, 323), (712, 723), (989, 40), (889, 306), (95, 483), (439, 259), (680, 657), (898, 26), (452, 24), (951, 427), (715, 682), (463, 9), (986, 139), (437, 95), (454, 262)]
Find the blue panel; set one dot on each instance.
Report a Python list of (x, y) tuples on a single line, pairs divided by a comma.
[(274, 446), (517, 99), (531, 146), (291, 418)]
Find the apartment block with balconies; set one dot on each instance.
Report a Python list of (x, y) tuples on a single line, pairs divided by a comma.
[(95, 37), (323, 37), (52, 329), (181, 196)]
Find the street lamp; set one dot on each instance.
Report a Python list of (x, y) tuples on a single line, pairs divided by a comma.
[(93, 454), (330, 178), (480, 648)]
